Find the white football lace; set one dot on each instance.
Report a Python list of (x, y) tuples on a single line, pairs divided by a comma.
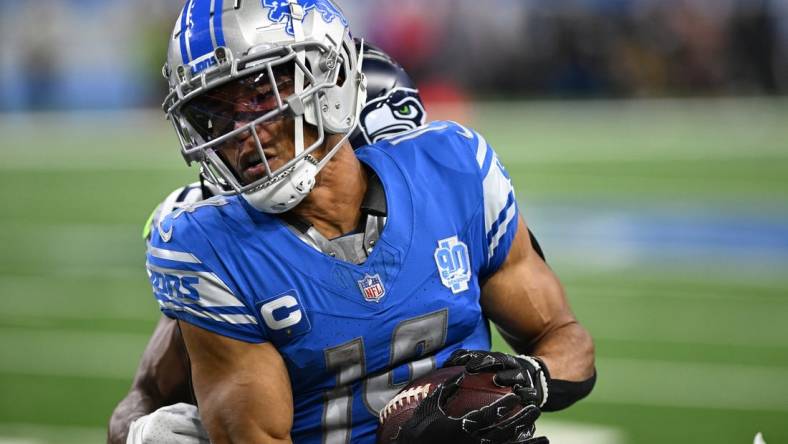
[(404, 397)]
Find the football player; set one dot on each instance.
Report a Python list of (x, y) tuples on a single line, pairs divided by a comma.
[(324, 279), (393, 106)]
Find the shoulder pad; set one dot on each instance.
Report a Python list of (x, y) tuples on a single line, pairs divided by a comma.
[(182, 196)]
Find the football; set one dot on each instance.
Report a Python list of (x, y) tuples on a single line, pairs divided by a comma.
[(475, 391)]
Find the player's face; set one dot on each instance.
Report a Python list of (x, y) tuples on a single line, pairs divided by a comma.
[(238, 103)]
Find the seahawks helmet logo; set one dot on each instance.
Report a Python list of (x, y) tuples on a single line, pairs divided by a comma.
[(279, 11), (397, 111)]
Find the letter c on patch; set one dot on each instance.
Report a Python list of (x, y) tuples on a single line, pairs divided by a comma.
[(279, 305)]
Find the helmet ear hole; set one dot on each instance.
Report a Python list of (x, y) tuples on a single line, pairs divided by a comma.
[(344, 67), (341, 76)]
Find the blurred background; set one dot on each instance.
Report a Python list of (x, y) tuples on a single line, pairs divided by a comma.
[(647, 139)]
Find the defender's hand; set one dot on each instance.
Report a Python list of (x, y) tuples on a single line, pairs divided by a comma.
[(490, 424), (177, 424), (528, 376)]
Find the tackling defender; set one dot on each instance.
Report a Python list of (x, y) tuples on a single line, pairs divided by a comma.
[(162, 379), (264, 96)]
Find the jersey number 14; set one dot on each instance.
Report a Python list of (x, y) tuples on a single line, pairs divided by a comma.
[(411, 339)]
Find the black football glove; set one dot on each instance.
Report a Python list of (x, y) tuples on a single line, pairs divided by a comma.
[(528, 376), (491, 424)]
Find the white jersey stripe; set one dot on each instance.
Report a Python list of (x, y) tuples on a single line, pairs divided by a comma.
[(228, 318), (496, 193), (464, 132), (481, 150), (213, 291), (501, 231), (171, 255)]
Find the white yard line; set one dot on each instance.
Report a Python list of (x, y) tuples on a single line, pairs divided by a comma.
[(48, 434), (86, 354), (614, 155), (691, 385), (559, 432), (55, 296), (728, 129), (119, 163), (681, 339), (78, 249), (622, 381), (630, 291), (109, 165)]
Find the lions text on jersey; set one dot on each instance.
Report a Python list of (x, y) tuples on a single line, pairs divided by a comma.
[(351, 335)]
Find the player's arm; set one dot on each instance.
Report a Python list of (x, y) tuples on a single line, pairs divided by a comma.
[(243, 389), (161, 379), (162, 375), (525, 299), (239, 379)]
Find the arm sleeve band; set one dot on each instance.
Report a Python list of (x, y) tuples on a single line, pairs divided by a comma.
[(536, 246), (565, 393)]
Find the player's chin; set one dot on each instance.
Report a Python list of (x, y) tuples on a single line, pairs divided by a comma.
[(255, 172)]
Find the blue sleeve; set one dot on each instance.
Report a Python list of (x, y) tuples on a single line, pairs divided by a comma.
[(190, 284), (500, 213)]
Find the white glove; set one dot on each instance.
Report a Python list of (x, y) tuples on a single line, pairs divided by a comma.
[(172, 424)]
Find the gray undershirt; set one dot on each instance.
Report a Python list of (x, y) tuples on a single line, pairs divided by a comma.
[(353, 248)]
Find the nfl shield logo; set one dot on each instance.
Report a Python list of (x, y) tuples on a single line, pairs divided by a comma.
[(372, 288)]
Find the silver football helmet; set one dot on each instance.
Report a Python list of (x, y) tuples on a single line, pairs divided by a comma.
[(259, 50)]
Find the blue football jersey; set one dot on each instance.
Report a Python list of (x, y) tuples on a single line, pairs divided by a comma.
[(351, 335)]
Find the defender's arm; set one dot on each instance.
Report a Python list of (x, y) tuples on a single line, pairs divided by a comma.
[(527, 302), (243, 389), (162, 376), (161, 379)]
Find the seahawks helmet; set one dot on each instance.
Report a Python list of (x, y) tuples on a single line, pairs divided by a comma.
[(393, 102), (262, 44)]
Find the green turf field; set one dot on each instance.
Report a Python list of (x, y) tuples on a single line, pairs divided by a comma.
[(666, 220)]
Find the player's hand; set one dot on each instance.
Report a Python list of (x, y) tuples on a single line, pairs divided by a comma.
[(528, 376), (175, 424), (493, 423)]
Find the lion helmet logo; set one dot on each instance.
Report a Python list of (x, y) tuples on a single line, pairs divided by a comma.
[(279, 11)]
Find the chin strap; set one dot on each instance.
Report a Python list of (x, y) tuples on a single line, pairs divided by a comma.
[(297, 16), (360, 101), (361, 96)]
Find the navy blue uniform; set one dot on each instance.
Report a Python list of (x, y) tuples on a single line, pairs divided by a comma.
[(350, 335)]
